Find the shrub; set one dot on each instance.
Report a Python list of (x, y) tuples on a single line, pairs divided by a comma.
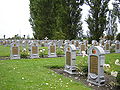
[(59, 51), (83, 68), (24, 54)]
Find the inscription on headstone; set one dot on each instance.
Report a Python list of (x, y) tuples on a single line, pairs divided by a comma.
[(94, 64)]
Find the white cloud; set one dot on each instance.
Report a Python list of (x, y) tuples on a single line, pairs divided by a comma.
[(14, 16)]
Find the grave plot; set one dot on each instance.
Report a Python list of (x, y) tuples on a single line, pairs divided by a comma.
[(70, 59), (52, 50), (94, 43), (107, 47), (15, 51), (77, 44), (34, 52), (96, 61), (82, 48)]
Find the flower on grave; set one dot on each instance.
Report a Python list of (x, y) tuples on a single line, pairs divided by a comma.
[(84, 53), (42, 42), (89, 84), (114, 73), (117, 62), (107, 66), (41, 50), (24, 50), (61, 47)]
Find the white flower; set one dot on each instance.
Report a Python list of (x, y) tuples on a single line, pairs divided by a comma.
[(24, 50), (84, 53), (43, 49), (89, 84), (40, 50), (106, 65), (61, 47), (114, 73), (117, 62)]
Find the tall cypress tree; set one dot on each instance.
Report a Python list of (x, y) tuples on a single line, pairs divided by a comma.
[(73, 18), (97, 18), (42, 18), (56, 19)]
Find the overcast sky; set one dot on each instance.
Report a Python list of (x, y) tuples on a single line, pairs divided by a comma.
[(14, 16)]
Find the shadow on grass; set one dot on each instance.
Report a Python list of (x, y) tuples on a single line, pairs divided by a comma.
[(54, 67)]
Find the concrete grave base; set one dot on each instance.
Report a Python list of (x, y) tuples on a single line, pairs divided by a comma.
[(107, 51), (70, 69), (97, 81), (15, 57)]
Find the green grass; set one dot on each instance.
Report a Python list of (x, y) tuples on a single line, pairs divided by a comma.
[(35, 74), (110, 59), (4, 51)]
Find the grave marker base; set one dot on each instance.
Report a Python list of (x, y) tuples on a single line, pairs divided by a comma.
[(70, 69), (95, 81), (107, 51), (15, 57), (52, 56)]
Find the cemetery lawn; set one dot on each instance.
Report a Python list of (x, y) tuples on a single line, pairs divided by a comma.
[(4, 51), (35, 74)]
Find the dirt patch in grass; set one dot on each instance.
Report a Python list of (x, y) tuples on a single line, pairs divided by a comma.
[(109, 79)]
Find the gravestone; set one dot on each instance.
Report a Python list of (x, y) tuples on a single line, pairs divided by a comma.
[(0, 42), (77, 44), (94, 43), (101, 43), (117, 46), (107, 47), (82, 48), (73, 42), (70, 59), (96, 59), (59, 43), (86, 43), (52, 50), (34, 51), (14, 51)]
